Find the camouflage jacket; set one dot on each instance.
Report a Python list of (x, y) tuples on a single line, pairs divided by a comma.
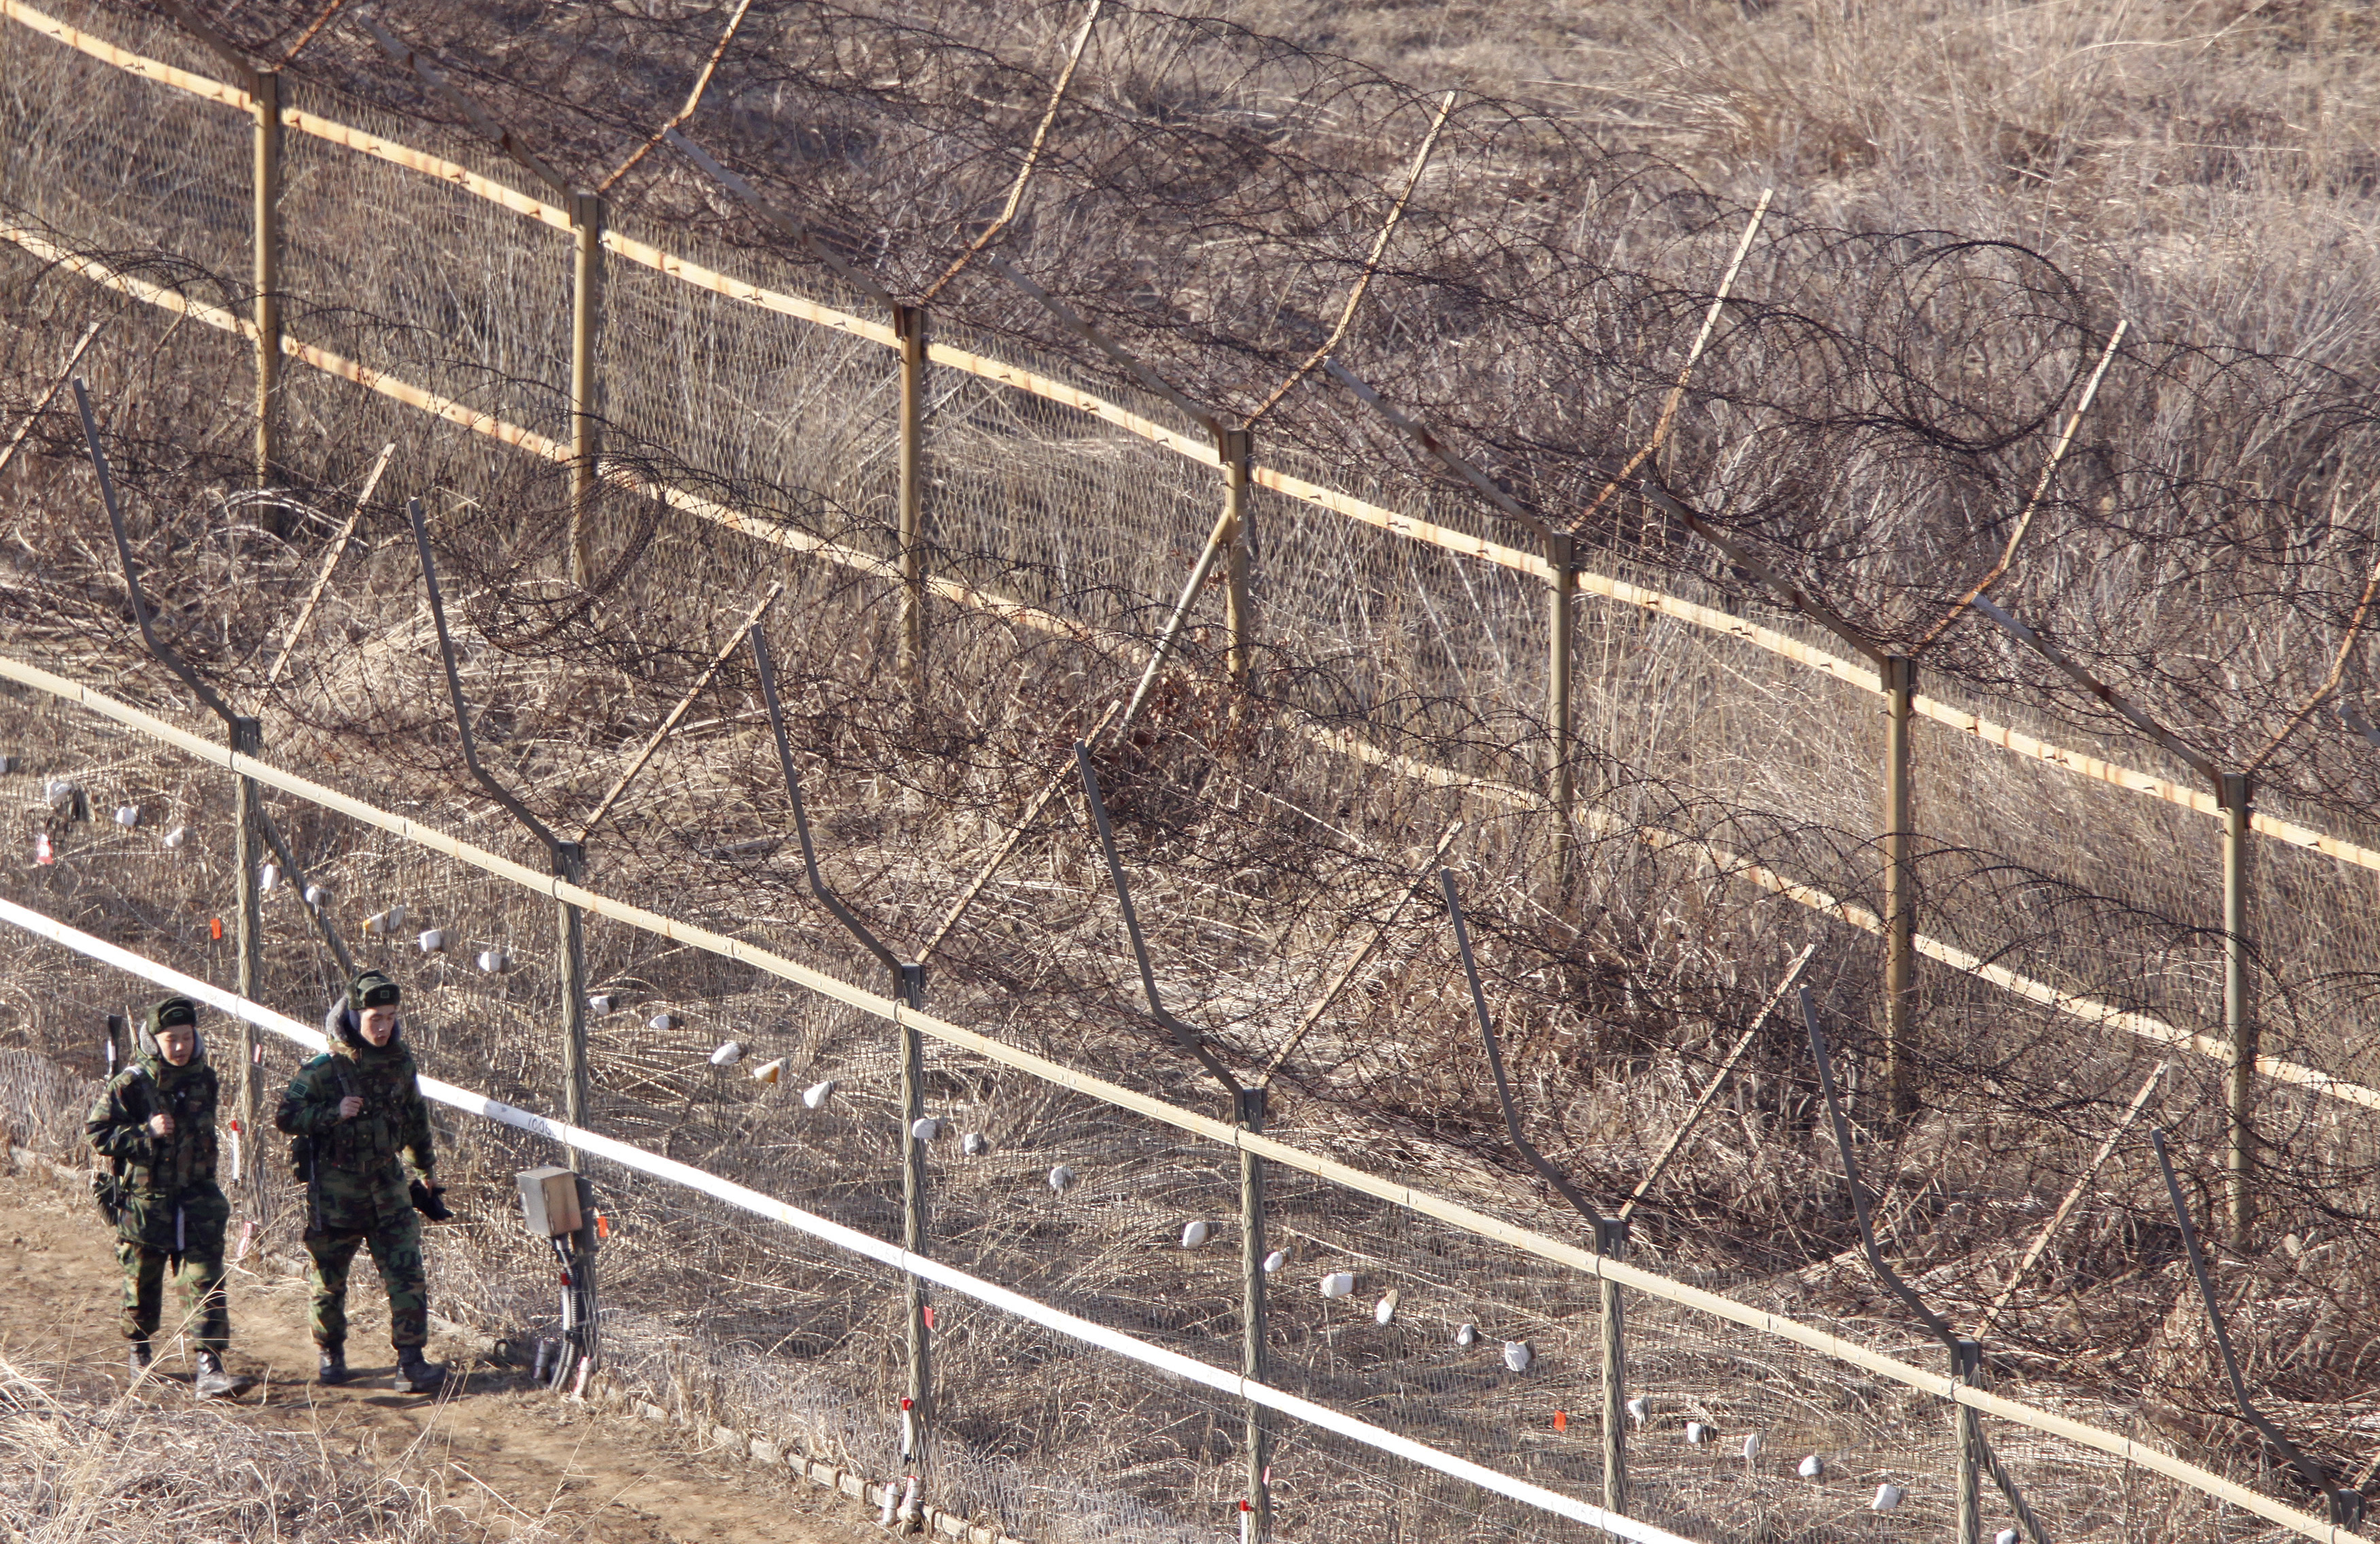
[(158, 1173), (351, 1166)]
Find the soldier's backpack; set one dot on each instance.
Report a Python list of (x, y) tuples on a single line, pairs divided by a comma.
[(305, 1151), (107, 1185)]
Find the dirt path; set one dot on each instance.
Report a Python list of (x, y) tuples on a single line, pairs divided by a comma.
[(499, 1449)]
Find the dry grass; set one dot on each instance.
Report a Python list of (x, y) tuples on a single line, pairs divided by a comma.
[(2151, 154), (82, 1463)]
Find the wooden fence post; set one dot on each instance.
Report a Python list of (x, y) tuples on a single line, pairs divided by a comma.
[(1899, 683), (1966, 1366), (570, 865), (2238, 793), (1238, 447), (248, 942), (1258, 1444), (1613, 1245), (909, 329), (586, 315), (265, 223), (917, 1403), (1562, 602)]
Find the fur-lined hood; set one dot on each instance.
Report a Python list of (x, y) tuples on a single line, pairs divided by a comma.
[(343, 1027)]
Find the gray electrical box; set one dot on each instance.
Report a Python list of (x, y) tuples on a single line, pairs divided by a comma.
[(550, 1201)]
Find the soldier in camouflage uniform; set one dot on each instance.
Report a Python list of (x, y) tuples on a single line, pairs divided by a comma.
[(352, 1111), (155, 1124)]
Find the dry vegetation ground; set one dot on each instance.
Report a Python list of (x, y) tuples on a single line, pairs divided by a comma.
[(2205, 170), (82, 1461)]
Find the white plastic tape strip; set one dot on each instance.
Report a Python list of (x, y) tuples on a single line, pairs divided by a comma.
[(851, 1242)]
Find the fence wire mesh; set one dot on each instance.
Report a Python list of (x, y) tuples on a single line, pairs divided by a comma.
[(1701, 764)]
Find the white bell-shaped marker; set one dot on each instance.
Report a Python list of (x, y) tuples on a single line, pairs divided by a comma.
[(728, 1055), (975, 1144), (1196, 1234), (494, 961), (925, 1128), (1339, 1284), (434, 942), (1062, 1179), (176, 837), (661, 1024), (1638, 1410), (383, 923), (769, 1072), (1467, 1336), (1275, 1261), (1752, 1448), (269, 877), (2006, 1536), (818, 1094), (1812, 1467), (1385, 1310), (1887, 1496), (601, 1002), (1698, 1433), (128, 815), (1517, 1356), (317, 898), (57, 790)]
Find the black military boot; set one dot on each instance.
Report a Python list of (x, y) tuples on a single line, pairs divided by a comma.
[(333, 1368), (139, 1358), (212, 1381), (416, 1376)]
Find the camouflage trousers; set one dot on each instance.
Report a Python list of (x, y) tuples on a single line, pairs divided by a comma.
[(395, 1245), (208, 1313)]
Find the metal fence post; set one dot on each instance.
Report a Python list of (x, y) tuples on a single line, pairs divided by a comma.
[(2238, 791), (908, 983), (248, 944), (1238, 447), (265, 86), (909, 331), (1258, 1441), (1966, 1366), (586, 314), (1900, 682), (1612, 1244), (1561, 608)]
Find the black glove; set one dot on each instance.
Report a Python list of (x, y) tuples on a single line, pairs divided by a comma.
[(430, 1203)]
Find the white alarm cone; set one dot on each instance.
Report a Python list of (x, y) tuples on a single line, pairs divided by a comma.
[(728, 1055), (818, 1094)]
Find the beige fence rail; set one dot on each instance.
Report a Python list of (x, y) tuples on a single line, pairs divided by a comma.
[(1653, 600), (2028, 746), (1358, 512), (1468, 1220)]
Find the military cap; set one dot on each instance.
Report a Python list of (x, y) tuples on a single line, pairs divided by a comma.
[(372, 990), (172, 1013)]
